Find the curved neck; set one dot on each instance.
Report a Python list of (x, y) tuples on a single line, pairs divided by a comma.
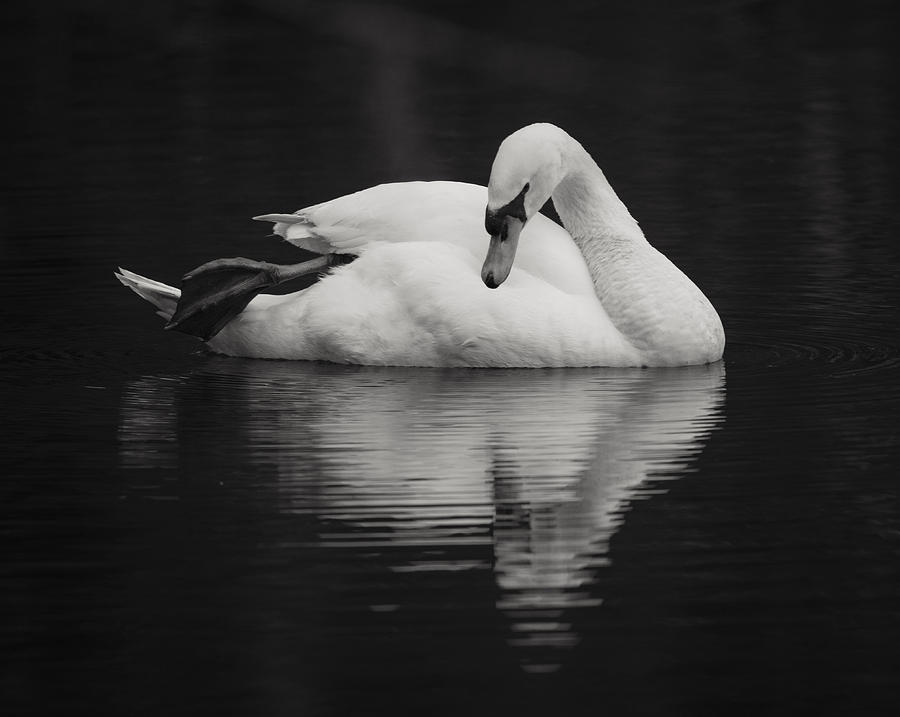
[(587, 205), (614, 248)]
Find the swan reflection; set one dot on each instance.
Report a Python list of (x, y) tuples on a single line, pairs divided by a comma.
[(534, 467)]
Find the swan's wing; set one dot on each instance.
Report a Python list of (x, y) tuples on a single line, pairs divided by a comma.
[(397, 212), (446, 212)]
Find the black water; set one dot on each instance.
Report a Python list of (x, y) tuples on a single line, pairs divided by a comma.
[(187, 534)]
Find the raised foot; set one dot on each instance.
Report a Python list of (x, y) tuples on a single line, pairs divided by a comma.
[(215, 292)]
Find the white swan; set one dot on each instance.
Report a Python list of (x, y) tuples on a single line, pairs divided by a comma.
[(593, 294)]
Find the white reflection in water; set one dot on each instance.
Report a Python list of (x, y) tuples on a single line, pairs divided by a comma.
[(538, 465)]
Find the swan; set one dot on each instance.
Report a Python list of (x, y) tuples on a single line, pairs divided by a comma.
[(407, 281)]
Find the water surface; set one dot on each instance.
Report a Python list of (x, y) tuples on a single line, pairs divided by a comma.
[(192, 534)]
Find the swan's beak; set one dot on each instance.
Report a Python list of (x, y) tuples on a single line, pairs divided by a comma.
[(501, 253)]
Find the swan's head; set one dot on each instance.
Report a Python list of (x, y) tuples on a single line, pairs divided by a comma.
[(528, 167)]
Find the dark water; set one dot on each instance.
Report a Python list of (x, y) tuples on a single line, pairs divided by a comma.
[(187, 534)]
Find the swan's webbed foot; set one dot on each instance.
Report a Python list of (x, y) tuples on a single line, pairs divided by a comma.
[(214, 293)]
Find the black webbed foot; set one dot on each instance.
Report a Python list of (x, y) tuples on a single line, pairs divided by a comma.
[(215, 292)]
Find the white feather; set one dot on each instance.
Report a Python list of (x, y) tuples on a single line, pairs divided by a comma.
[(598, 296), (162, 296)]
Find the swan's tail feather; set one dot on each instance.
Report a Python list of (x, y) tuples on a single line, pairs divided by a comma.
[(299, 230), (162, 296), (281, 218)]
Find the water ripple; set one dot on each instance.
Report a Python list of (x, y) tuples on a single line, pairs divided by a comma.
[(835, 346), (527, 473)]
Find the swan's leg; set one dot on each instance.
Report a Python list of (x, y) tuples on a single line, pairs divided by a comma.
[(214, 293)]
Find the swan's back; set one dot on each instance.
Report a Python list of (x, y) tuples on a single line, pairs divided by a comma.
[(444, 212)]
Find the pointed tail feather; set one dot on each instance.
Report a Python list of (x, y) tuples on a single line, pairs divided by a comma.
[(282, 218), (162, 296)]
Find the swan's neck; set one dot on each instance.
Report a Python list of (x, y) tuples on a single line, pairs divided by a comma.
[(619, 258), (652, 304), (590, 210)]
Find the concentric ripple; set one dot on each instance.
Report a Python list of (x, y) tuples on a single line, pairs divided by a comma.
[(828, 344)]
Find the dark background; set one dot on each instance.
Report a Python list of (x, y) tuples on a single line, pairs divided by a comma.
[(757, 144)]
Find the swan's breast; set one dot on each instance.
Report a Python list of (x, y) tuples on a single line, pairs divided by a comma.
[(657, 308)]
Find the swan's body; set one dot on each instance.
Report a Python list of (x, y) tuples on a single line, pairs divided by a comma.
[(595, 295)]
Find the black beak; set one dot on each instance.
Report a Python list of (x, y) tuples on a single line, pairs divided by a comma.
[(501, 252)]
